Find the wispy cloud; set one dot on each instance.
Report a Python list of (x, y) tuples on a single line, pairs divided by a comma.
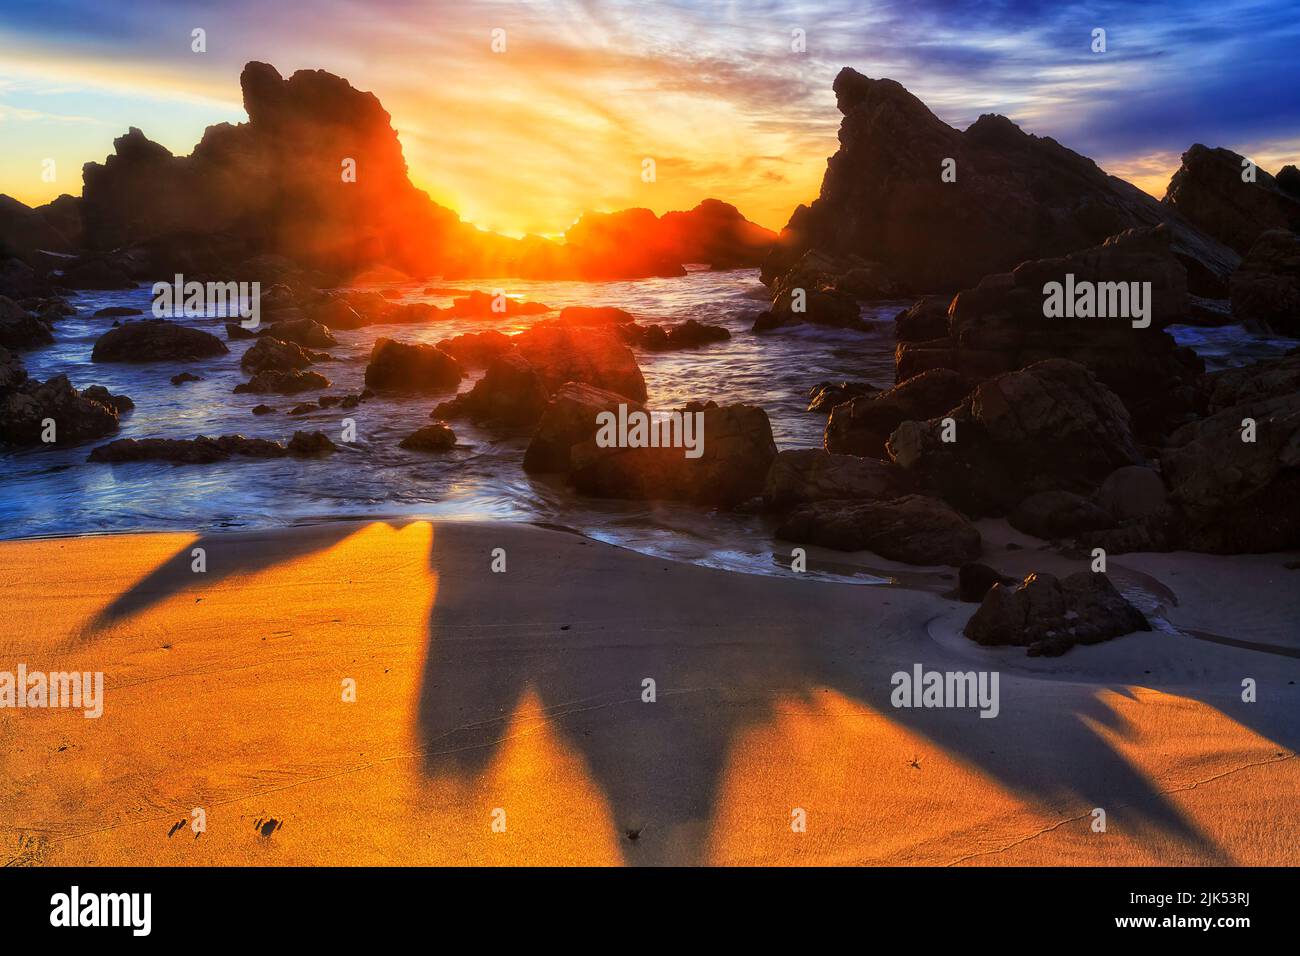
[(527, 139)]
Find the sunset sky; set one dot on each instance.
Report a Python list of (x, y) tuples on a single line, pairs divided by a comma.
[(526, 140)]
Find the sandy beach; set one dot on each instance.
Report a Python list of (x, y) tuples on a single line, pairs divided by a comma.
[(517, 698)]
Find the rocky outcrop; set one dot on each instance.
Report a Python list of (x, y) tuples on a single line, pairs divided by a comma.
[(824, 396), (435, 437), (737, 450), (477, 348), (664, 338), (1015, 197), (1048, 615), (481, 305), (1050, 426), (1238, 495), (270, 354), (1209, 191), (202, 450), (805, 475), (283, 383), (26, 406), (814, 306), (569, 420), (914, 529), (402, 367), (925, 320), (593, 356), (303, 332), (1266, 289), (584, 315), (24, 231), (1001, 325), (156, 340), (20, 329), (509, 394), (863, 425), (1053, 515), (636, 241)]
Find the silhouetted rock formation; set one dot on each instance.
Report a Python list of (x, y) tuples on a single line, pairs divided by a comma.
[(1016, 197), (317, 176), (1209, 192)]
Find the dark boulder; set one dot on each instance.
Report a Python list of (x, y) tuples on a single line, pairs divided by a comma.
[(806, 475), (824, 396), (736, 448), (19, 329), (306, 444), (156, 340), (913, 529), (200, 450), (1059, 514), (77, 416), (1048, 615), (283, 383), (1239, 496), (402, 367), (593, 356), (1051, 426), (568, 421), (1266, 289), (863, 425), (477, 348), (509, 394), (435, 437)]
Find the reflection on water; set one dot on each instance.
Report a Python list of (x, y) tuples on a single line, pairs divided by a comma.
[(50, 492)]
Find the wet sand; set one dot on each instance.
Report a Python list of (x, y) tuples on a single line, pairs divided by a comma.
[(485, 697)]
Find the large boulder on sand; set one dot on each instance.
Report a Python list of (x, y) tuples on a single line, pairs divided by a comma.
[(588, 355), (1059, 514), (1049, 615), (402, 367), (1046, 427), (156, 340), (1266, 289), (803, 475), (913, 529), (863, 425), (736, 448)]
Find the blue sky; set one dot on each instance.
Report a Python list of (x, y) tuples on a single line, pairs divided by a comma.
[(527, 139)]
